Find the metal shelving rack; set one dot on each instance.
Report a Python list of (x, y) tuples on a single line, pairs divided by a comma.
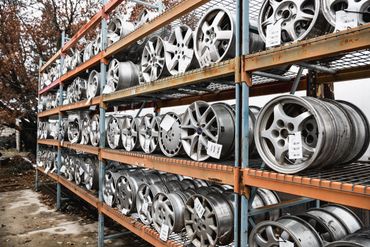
[(347, 185)]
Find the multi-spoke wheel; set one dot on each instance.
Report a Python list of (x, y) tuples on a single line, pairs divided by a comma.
[(214, 37), (77, 58), (170, 134), (88, 51), (130, 132), (109, 187), (179, 50), (122, 75), (93, 84), (169, 209), (297, 19), (91, 175), (79, 170), (360, 7), (85, 129), (152, 61), (74, 128), (127, 188), (149, 133), (290, 230), (94, 130), (213, 226), (70, 164), (97, 44), (203, 123), (114, 132)]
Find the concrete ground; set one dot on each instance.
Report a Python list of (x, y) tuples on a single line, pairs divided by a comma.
[(26, 221)]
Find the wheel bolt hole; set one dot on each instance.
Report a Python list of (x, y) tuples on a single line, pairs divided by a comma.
[(275, 133), (286, 14), (290, 126), (284, 133), (280, 123), (309, 127), (309, 139), (281, 143)]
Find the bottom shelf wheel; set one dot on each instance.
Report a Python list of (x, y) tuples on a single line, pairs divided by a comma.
[(289, 230)]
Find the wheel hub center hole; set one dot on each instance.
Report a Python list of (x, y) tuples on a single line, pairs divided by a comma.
[(199, 131)]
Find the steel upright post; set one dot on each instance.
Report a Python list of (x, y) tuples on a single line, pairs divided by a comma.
[(60, 102), (37, 144), (103, 72), (245, 124)]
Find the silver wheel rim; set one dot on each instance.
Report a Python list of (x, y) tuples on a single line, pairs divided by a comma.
[(274, 125), (330, 7), (149, 133), (130, 132), (179, 50), (122, 75), (152, 60), (145, 196), (214, 37), (85, 129), (90, 173), (298, 19), (79, 171), (288, 228), (88, 51), (97, 45), (114, 132), (74, 129), (93, 84), (127, 187), (94, 130), (170, 141), (109, 189)]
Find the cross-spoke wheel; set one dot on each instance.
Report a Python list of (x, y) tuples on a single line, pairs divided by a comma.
[(149, 133), (130, 132), (214, 37), (203, 123), (179, 50)]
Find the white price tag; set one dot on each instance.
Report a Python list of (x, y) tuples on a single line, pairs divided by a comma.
[(116, 139), (344, 20), (81, 170), (62, 169), (165, 230), (199, 209), (167, 122), (146, 144), (46, 170), (107, 89), (144, 207), (110, 200), (214, 150), (295, 146), (93, 127), (133, 91), (53, 170), (273, 35), (128, 144), (124, 211), (285, 243), (92, 108)]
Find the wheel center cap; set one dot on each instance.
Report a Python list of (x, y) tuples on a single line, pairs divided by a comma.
[(199, 131)]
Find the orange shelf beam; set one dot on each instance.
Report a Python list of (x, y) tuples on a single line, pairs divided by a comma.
[(50, 142), (81, 148)]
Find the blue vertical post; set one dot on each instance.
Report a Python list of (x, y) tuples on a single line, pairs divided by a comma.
[(60, 102), (237, 121), (103, 71), (245, 125), (37, 143)]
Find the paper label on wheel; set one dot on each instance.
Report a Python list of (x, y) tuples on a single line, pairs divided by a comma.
[(285, 243), (92, 108), (214, 150), (344, 20), (295, 146), (128, 144), (107, 89), (144, 207), (167, 122), (53, 170), (163, 235), (110, 200), (63, 169), (124, 211), (93, 127), (46, 170), (116, 139), (273, 35), (146, 144), (199, 209)]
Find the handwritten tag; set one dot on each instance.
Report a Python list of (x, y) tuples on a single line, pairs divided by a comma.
[(344, 20), (107, 89), (199, 209), (92, 108), (167, 122), (295, 146), (116, 139), (63, 169), (146, 144), (165, 230), (273, 35), (124, 211), (214, 150), (144, 207), (285, 243), (110, 200), (46, 170)]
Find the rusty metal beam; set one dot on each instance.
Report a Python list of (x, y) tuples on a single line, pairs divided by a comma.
[(171, 14), (81, 104), (50, 142), (191, 77), (336, 192), (316, 48), (208, 171), (81, 148), (51, 86), (48, 113), (50, 61)]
